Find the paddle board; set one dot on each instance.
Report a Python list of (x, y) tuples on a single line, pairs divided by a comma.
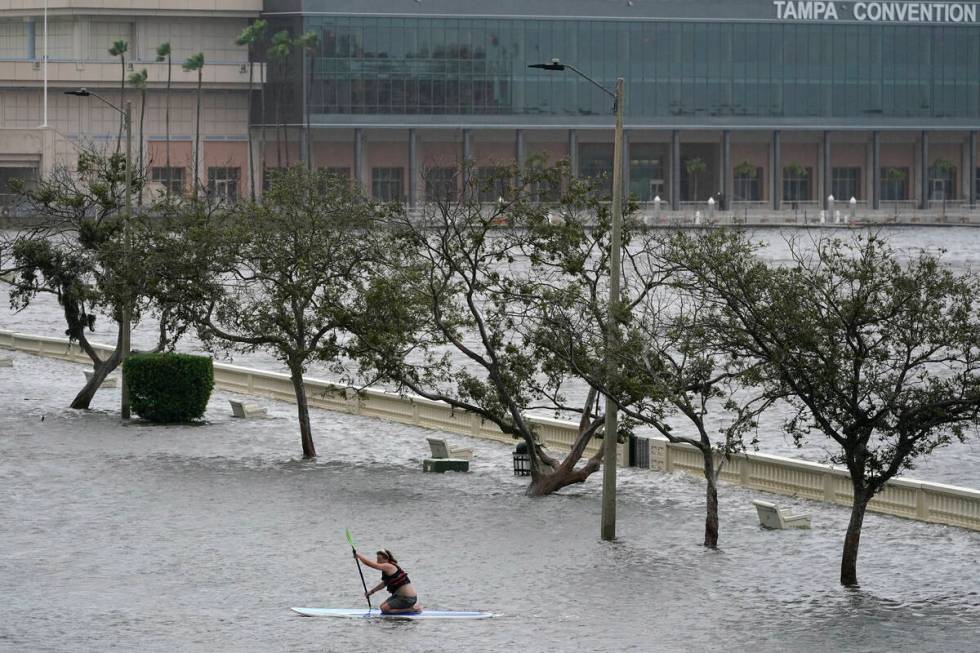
[(361, 613)]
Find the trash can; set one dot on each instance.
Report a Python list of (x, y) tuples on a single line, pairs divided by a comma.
[(522, 460)]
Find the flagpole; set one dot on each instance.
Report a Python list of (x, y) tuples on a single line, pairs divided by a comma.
[(45, 64)]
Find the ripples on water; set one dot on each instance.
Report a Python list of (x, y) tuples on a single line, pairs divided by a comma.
[(200, 538)]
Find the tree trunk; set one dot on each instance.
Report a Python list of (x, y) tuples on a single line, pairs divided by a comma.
[(546, 481), (848, 562), (251, 155), (197, 135), (167, 119), (711, 500), (303, 412), (99, 372), (142, 117)]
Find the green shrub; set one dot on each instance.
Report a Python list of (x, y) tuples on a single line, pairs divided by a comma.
[(169, 387)]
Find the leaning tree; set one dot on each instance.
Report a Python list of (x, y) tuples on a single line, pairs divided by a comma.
[(453, 310), (86, 252)]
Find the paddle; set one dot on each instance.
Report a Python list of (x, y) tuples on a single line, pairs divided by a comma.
[(351, 541)]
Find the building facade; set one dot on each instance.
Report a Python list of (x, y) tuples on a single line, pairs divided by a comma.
[(759, 104), (38, 134)]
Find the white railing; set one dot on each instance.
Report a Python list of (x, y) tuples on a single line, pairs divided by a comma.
[(921, 500)]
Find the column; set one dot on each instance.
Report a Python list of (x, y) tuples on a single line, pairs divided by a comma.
[(826, 182), (675, 169), (359, 158), (520, 156), (875, 170), (467, 162), (573, 152), (727, 174), (971, 173), (776, 172), (924, 171), (413, 169)]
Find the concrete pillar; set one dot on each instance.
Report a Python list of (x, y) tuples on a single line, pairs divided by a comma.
[(924, 170), (467, 162), (727, 173), (573, 152), (826, 181), (675, 170), (359, 159), (776, 172), (520, 156), (876, 170), (413, 169), (626, 166), (971, 172)]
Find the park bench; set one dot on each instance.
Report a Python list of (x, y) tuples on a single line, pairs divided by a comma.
[(107, 382), (442, 450), (245, 411), (772, 517)]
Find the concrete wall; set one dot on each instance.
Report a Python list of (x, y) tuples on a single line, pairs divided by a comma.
[(930, 502)]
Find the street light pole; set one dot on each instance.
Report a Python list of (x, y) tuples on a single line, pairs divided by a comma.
[(125, 311), (611, 426), (125, 317)]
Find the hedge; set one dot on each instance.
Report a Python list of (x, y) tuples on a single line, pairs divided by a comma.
[(169, 387)]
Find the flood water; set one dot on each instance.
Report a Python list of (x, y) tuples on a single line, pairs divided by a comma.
[(958, 464), (199, 538)]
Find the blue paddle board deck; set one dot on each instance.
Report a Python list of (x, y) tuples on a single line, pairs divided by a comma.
[(361, 613)]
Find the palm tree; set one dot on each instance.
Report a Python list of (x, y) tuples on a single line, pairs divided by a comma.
[(309, 42), (196, 62), (138, 81), (119, 49), (694, 169), (251, 36), (164, 54), (279, 51)]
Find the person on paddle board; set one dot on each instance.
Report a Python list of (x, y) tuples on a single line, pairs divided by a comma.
[(403, 598)]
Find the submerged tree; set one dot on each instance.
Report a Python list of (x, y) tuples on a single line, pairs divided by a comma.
[(86, 253), (454, 310), (667, 364), (296, 264), (879, 355)]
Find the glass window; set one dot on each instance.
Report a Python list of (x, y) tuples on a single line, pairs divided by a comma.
[(387, 184), (748, 183), (492, 183), (440, 184), (796, 183), (846, 183), (942, 180), (8, 174), (673, 68), (894, 184), (172, 179), (223, 183)]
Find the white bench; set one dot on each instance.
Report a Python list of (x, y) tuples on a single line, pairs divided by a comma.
[(245, 411), (441, 450), (770, 516), (110, 381), (6, 362)]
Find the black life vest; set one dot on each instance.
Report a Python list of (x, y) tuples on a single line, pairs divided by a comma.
[(395, 580)]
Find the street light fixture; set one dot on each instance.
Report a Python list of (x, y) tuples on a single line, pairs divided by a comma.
[(615, 246), (125, 312)]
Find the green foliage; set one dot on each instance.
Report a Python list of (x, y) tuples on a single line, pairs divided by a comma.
[(195, 62), (163, 52), (746, 169), (169, 387)]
